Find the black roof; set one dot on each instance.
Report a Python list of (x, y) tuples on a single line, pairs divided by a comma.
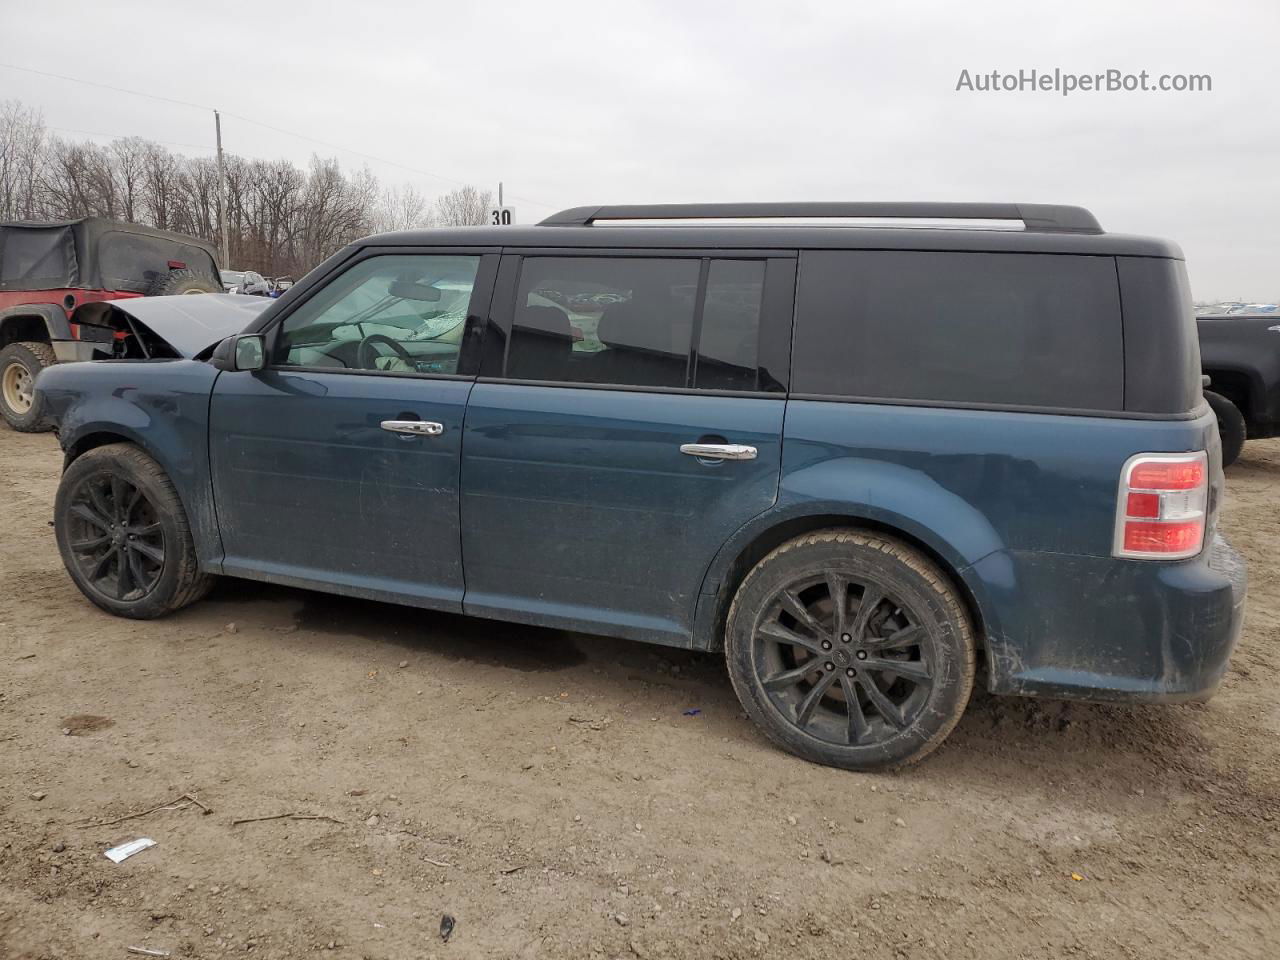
[(776, 238), (1046, 229)]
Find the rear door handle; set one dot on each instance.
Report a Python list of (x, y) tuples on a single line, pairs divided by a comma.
[(719, 451), (417, 428)]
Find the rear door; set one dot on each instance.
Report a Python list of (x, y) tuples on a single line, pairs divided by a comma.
[(628, 420), (337, 466)]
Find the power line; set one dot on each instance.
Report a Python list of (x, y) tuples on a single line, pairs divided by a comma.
[(334, 146), (259, 123), (126, 136), (105, 86)]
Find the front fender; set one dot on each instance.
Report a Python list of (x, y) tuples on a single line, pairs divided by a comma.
[(160, 405)]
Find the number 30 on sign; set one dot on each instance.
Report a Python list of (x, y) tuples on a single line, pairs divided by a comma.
[(502, 216)]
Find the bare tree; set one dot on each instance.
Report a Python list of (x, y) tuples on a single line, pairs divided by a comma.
[(336, 210), (71, 182), (464, 207), (129, 168), (281, 219), (401, 209), (160, 186), (278, 189), (23, 144)]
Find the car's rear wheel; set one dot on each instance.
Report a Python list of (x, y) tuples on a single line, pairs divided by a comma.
[(19, 403), (850, 649), (124, 536), (1231, 426)]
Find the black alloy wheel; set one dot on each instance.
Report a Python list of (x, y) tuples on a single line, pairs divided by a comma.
[(124, 536), (851, 648), (115, 537), (843, 659)]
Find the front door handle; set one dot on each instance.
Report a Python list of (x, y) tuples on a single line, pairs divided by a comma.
[(719, 451), (417, 428)]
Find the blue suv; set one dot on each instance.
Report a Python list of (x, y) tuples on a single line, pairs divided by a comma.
[(862, 460)]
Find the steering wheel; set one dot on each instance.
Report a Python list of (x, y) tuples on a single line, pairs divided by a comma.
[(367, 356)]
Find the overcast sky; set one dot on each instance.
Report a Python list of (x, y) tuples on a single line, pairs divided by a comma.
[(572, 103)]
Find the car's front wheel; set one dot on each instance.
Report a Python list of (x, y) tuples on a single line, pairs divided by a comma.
[(850, 649), (124, 536)]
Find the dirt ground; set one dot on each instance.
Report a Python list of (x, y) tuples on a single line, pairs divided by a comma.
[(551, 793)]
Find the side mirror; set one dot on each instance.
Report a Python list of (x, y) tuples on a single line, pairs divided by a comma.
[(251, 352), (245, 351)]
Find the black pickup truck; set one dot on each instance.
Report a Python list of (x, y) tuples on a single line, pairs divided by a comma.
[(1240, 354)]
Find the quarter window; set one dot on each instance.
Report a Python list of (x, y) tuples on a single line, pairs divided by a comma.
[(990, 328), (400, 314)]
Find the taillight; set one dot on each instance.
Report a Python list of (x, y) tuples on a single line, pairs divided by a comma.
[(1160, 513)]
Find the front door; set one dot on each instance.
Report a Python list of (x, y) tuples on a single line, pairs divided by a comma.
[(633, 426), (337, 466)]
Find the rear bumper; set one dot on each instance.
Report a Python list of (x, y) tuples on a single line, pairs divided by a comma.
[(1096, 628)]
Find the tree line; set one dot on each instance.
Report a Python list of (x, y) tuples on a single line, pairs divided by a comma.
[(282, 219)]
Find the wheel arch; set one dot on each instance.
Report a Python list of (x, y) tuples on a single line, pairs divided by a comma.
[(753, 543), (100, 438), (38, 322), (197, 504), (1241, 387)]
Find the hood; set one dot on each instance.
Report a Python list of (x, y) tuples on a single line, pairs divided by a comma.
[(189, 323)]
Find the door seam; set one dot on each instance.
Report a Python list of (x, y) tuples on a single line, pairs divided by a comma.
[(462, 451)]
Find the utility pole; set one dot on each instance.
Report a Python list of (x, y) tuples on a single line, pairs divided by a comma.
[(222, 197), (499, 194)]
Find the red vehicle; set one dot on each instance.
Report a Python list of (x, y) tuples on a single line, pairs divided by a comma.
[(47, 270)]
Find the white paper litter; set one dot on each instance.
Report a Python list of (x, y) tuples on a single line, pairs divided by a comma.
[(126, 850)]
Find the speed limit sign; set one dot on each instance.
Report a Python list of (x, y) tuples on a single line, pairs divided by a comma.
[(502, 216)]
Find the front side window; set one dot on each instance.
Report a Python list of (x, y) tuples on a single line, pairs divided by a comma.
[(394, 314)]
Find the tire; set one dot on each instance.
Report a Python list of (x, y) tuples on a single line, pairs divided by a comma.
[(19, 404), (117, 508), (917, 619), (177, 282), (1231, 426)]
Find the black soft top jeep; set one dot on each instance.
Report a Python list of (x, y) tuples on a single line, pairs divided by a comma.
[(47, 270)]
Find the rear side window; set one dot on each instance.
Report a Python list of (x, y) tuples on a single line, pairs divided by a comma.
[(616, 320), (1019, 329), (638, 321)]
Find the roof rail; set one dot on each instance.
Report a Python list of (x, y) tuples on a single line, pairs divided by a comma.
[(1040, 217)]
